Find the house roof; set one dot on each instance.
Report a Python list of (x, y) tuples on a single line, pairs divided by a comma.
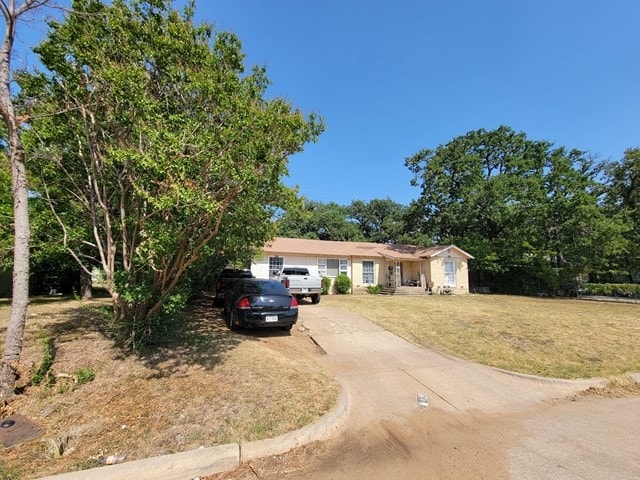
[(303, 246)]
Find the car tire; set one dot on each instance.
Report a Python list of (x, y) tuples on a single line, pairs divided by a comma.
[(287, 328), (315, 298), (233, 323)]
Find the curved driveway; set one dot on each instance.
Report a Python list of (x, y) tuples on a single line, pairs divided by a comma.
[(559, 436), (414, 414)]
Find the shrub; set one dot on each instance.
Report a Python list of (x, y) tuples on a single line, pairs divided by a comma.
[(612, 289), (342, 284), (374, 289), (326, 285)]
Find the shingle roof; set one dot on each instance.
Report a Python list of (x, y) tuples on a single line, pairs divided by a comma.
[(302, 246)]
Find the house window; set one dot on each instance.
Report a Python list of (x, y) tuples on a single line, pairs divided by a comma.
[(332, 267), (367, 272), (344, 264), (450, 274), (275, 265)]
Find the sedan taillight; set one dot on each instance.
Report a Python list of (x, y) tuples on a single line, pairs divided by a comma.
[(244, 303), (294, 303)]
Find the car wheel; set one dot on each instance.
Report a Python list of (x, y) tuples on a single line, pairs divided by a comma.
[(233, 322), (315, 298), (287, 328)]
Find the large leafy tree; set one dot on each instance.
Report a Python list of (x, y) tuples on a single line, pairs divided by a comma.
[(379, 220), (475, 192), (623, 195), (12, 11), (518, 205), (147, 128), (575, 233), (317, 220)]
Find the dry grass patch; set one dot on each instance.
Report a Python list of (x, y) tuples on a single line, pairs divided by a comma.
[(202, 386), (564, 338), (616, 387)]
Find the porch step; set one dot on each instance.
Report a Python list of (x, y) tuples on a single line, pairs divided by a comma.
[(407, 291)]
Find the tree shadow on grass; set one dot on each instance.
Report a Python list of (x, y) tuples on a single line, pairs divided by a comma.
[(196, 337)]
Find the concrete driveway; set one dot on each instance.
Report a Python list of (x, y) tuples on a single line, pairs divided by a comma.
[(508, 426), (410, 413)]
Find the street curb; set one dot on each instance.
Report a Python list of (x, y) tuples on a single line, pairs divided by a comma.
[(211, 460), (177, 466), (319, 430)]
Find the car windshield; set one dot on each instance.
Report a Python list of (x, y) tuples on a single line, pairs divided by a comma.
[(266, 287), (295, 271), (231, 273)]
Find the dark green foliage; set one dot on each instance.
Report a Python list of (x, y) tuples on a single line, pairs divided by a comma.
[(530, 214), (342, 284), (380, 220), (374, 289), (48, 356), (161, 156), (629, 290), (622, 197), (326, 285), (320, 221)]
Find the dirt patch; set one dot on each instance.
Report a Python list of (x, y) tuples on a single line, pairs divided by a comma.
[(618, 387), (202, 386), (430, 444)]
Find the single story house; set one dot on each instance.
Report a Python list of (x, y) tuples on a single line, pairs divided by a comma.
[(438, 269)]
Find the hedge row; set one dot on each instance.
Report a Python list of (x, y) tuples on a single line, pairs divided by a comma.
[(612, 289)]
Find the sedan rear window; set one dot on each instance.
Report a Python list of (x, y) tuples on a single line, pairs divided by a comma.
[(266, 287)]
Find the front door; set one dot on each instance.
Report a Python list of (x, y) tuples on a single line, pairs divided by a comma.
[(398, 274)]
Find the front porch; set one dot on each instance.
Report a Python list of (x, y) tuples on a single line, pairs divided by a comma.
[(404, 290), (415, 291), (406, 278)]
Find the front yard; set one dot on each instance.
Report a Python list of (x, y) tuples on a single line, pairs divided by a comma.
[(205, 385), (564, 338)]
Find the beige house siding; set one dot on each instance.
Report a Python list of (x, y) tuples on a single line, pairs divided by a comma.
[(438, 274), (357, 279)]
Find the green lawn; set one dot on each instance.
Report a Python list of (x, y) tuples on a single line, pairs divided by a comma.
[(564, 338)]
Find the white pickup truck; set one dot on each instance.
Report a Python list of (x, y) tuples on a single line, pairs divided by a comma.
[(300, 283)]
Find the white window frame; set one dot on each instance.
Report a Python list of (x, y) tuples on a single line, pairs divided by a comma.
[(449, 268), (322, 267), (343, 266), (275, 264), (368, 272)]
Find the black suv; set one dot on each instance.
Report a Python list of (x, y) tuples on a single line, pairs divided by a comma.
[(225, 281)]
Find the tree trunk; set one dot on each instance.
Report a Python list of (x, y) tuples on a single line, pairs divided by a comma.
[(20, 299), (85, 285)]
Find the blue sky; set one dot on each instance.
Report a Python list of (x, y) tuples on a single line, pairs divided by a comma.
[(391, 78)]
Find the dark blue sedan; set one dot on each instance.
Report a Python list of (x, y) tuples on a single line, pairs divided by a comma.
[(255, 302)]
